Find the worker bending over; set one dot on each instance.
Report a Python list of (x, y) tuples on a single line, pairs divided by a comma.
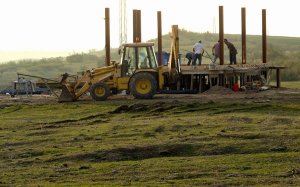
[(190, 57), (232, 52)]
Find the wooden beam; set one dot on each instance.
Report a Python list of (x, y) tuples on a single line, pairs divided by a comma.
[(192, 82), (264, 36), (134, 25), (243, 35), (139, 26), (221, 34), (107, 37), (278, 81), (159, 39)]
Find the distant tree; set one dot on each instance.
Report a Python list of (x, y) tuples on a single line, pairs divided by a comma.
[(75, 58), (274, 53)]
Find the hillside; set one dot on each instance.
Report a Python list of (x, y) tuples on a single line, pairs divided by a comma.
[(281, 51)]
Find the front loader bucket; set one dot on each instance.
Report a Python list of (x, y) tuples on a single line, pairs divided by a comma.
[(65, 95)]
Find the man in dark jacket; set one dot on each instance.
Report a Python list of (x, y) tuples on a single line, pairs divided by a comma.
[(189, 56), (232, 52)]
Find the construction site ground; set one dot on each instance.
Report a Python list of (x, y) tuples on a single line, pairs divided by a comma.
[(215, 94), (217, 138)]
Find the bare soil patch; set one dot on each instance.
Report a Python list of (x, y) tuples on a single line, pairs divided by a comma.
[(216, 93)]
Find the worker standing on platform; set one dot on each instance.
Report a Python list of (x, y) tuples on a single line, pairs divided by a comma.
[(216, 51), (198, 50), (232, 52)]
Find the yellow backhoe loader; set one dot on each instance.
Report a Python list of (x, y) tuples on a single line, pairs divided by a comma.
[(137, 73)]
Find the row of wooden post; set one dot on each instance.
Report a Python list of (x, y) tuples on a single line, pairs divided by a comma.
[(243, 15), (137, 35)]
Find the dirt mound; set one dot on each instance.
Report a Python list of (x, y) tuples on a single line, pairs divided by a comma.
[(218, 90), (163, 102)]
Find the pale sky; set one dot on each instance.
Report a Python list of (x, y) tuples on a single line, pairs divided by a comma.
[(78, 25)]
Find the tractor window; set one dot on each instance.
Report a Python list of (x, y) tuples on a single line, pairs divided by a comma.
[(152, 58), (143, 58), (146, 58), (139, 58), (130, 56)]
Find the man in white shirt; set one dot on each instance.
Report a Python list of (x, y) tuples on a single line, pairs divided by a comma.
[(198, 49)]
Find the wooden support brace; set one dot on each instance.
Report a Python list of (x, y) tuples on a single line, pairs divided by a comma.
[(278, 77), (200, 83), (192, 82)]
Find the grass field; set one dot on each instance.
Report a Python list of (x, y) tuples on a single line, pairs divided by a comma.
[(151, 143), (288, 84), (291, 84)]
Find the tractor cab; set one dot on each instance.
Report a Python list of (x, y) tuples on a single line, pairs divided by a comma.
[(136, 57), (137, 74)]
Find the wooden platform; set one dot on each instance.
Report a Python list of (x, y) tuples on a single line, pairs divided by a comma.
[(204, 76), (223, 69)]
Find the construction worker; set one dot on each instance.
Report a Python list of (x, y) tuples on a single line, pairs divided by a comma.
[(216, 51), (198, 50), (190, 57), (232, 52)]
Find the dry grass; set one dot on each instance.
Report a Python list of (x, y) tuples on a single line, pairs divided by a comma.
[(151, 143)]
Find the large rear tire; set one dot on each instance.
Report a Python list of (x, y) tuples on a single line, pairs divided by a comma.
[(99, 91), (143, 85)]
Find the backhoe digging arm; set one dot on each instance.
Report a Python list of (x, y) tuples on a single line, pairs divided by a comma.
[(72, 92)]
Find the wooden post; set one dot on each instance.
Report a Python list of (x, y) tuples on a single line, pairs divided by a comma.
[(139, 27), (278, 77), (264, 36), (107, 37), (221, 34), (192, 82), (134, 29), (244, 35), (159, 39), (200, 83)]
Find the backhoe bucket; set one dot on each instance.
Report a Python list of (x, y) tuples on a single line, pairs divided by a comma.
[(65, 95)]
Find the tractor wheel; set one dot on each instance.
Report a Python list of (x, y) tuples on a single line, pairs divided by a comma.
[(143, 86), (99, 91)]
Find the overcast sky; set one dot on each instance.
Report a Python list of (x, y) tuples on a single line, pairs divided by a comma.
[(78, 25)]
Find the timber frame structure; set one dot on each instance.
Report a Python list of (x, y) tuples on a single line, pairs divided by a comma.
[(197, 79)]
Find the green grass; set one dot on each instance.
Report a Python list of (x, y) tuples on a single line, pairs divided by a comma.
[(148, 143), (291, 84)]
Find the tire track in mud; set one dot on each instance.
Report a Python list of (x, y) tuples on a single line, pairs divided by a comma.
[(162, 150), (87, 120), (105, 117)]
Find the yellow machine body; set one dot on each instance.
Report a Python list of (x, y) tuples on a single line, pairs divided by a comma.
[(137, 73)]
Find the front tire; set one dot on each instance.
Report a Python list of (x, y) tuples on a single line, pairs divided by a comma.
[(143, 86), (99, 91)]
